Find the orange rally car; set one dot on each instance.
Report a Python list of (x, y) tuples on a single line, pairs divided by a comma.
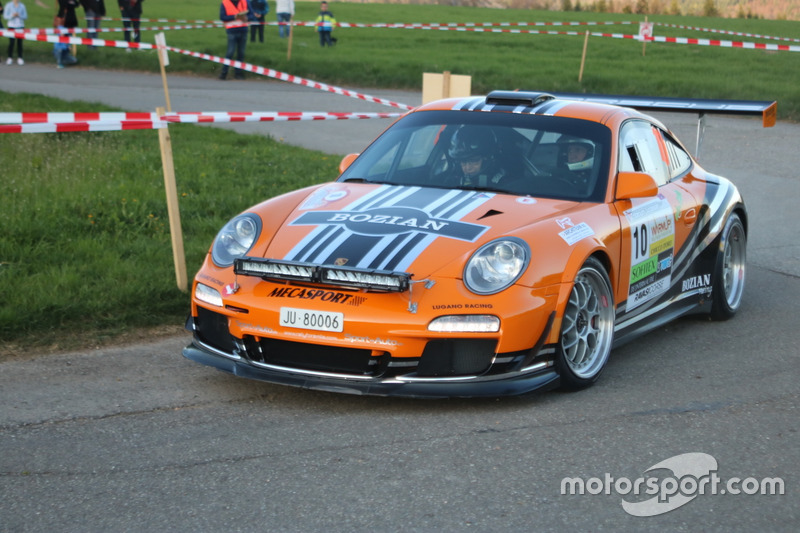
[(481, 246)]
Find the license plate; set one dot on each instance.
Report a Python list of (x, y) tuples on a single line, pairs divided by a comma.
[(308, 319)]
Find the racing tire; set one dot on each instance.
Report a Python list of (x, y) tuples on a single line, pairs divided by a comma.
[(587, 328), (729, 275)]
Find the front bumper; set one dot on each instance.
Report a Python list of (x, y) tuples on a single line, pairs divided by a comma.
[(539, 375)]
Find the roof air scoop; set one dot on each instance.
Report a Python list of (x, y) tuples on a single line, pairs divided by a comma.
[(517, 98)]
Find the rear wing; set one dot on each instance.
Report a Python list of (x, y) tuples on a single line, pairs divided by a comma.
[(765, 109)]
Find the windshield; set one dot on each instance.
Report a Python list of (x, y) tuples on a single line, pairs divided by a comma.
[(521, 154)]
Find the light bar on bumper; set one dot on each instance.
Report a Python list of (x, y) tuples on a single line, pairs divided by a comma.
[(376, 280)]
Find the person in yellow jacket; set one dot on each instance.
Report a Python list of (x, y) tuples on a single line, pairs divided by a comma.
[(325, 23)]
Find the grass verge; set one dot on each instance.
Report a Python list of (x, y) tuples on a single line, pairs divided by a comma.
[(86, 244)]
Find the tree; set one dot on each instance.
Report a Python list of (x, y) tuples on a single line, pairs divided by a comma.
[(710, 9)]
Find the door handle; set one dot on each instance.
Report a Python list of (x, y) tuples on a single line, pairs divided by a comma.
[(690, 216)]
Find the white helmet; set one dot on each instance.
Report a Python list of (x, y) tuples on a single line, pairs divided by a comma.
[(578, 153)]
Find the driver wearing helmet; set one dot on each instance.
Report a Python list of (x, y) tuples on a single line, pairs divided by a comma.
[(474, 150), (578, 156)]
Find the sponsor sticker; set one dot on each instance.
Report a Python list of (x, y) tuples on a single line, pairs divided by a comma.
[(392, 220), (652, 239), (317, 294), (576, 233), (324, 196)]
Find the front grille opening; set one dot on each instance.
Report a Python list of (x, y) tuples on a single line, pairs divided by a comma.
[(313, 356), (212, 329), (456, 357)]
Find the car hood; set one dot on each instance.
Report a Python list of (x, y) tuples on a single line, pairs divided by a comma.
[(418, 230)]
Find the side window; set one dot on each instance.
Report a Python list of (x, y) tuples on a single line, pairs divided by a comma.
[(679, 160), (641, 149)]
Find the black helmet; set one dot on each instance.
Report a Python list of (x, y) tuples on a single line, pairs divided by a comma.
[(470, 141)]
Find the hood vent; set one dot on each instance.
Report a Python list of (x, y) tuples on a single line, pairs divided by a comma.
[(490, 213)]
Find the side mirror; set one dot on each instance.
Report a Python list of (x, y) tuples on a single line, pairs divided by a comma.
[(347, 161), (635, 185)]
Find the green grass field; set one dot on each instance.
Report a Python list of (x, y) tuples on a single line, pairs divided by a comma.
[(85, 250)]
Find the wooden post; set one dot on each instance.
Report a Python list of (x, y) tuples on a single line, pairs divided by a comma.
[(291, 33), (163, 61), (583, 56), (644, 41), (445, 85), (171, 189)]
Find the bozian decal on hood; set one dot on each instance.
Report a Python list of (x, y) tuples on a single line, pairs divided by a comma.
[(389, 227)]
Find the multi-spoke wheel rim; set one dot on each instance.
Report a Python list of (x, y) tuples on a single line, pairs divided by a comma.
[(733, 265), (588, 324)]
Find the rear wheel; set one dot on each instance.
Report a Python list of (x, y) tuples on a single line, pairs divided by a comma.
[(587, 328), (729, 276)]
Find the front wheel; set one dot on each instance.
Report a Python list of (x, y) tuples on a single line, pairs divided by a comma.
[(587, 328), (729, 274)]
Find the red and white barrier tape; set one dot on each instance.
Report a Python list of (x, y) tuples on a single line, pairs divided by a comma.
[(56, 31), (705, 42), (205, 24), (726, 32), (438, 25), (199, 25), (268, 116), (65, 127), (111, 121)]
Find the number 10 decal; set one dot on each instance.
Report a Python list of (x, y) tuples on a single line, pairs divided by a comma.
[(652, 248)]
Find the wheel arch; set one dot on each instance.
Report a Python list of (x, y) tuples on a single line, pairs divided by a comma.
[(599, 253)]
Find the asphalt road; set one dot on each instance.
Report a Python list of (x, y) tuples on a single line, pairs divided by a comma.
[(139, 439)]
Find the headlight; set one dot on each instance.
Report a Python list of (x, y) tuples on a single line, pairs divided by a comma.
[(207, 294), (465, 324), (496, 265), (235, 239)]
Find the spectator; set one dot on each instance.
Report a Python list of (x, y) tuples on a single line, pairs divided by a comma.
[(61, 50), (131, 11), (94, 10), (236, 14), (1, 18), (66, 11), (260, 9), (16, 14), (285, 9), (325, 23)]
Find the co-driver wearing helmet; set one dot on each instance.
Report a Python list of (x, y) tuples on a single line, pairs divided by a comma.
[(578, 156), (474, 150)]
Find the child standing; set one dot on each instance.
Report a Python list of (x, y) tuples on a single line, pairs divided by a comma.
[(325, 23), (62, 51), (16, 14)]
